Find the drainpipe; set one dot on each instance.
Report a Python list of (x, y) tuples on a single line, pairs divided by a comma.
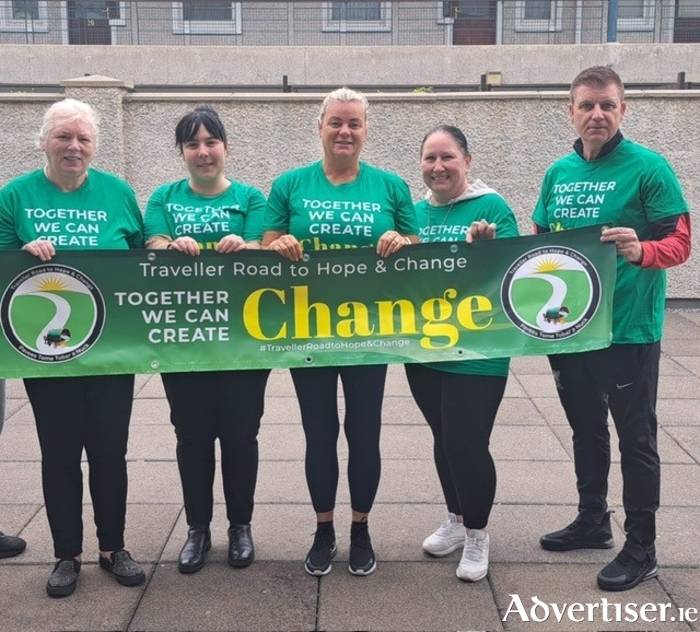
[(612, 20)]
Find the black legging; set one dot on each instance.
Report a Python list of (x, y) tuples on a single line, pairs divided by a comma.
[(73, 413), (461, 410), (317, 392), (227, 405)]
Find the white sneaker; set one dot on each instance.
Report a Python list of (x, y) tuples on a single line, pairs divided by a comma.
[(475, 558), (449, 537)]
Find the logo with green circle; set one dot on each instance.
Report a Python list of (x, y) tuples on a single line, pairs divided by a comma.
[(52, 313), (551, 292)]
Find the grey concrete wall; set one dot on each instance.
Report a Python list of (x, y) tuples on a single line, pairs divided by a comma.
[(337, 65), (513, 137)]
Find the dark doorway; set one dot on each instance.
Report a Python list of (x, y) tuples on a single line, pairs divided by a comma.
[(88, 22), (474, 21)]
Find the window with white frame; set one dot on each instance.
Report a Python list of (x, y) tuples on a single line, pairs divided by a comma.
[(538, 16), (112, 10), (347, 17), (23, 16), (207, 17), (635, 15)]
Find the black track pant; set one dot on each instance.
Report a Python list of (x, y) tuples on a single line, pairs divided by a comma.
[(93, 413), (623, 379), (227, 405)]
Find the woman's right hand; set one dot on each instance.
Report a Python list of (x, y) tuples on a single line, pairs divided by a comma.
[(41, 248), (481, 230), (288, 246), (186, 245)]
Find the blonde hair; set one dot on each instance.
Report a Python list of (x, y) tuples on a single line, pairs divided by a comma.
[(68, 111), (343, 95)]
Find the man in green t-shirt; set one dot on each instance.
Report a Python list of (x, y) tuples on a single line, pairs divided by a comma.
[(634, 193)]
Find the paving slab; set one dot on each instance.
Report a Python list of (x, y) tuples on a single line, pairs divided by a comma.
[(405, 596), (265, 596), (99, 603), (536, 493)]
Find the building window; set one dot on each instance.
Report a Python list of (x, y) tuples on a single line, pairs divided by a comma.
[(635, 15), (346, 17), (537, 10), (207, 17), (538, 16), (23, 16), (25, 9)]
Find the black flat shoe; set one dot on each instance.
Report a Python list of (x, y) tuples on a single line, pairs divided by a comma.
[(10, 545), (240, 546), (64, 578), (194, 552), (122, 566)]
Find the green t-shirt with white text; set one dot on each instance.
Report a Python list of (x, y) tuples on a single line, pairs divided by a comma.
[(631, 187), (175, 210), (451, 223), (101, 214), (326, 216)]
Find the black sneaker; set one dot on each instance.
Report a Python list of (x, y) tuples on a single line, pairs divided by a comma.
[(318, 560), (625, 572), (582, 533), (362, 560), (11, 545)]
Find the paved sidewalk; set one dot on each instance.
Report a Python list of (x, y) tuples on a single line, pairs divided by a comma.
[(409, 591)]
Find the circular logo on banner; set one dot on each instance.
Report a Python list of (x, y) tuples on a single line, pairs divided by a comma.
[(551, 292), (52, 313)]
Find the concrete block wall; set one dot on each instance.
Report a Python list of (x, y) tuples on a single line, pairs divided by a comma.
[(513, 137)]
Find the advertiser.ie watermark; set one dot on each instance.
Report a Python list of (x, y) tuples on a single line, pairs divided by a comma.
[(603, 610)]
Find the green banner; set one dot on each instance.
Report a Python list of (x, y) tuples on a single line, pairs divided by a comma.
[(140, 311)]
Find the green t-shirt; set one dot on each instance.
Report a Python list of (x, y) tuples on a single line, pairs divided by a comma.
[(631, 187), (324, 216), (175, 210), (451, 223), (101, 214)]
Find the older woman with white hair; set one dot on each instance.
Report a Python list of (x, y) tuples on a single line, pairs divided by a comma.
[(292, 226), (76, 413)]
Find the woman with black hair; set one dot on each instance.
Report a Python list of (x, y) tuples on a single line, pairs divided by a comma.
[(227, 217), (460, 399)]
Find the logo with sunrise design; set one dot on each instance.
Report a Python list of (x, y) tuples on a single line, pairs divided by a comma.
[(551, 293), (52, 313)]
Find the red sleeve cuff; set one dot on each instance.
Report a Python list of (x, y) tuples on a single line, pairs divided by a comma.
[(670, 251)]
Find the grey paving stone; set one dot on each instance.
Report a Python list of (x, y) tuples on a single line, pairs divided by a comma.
[(537, 385), (528, 365), (681, 347), (536, 493), (688, 438), (678, 412), (265, 596), (150, 412), (98, 603), (679, 387), (518, 411), (689, 363), (405, 596), (19, 442)]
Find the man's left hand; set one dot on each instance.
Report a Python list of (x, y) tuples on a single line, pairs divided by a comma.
[(626, 242)]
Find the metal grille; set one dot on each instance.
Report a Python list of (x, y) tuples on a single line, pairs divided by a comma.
[(317, 23)]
